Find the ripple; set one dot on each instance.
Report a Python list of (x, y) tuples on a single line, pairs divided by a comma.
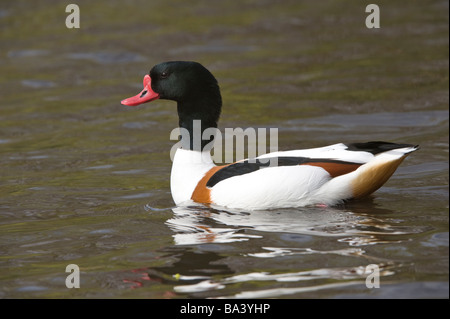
[(345, 276), (27, 53), (199, 287), (108, 57), (31, 288), (38, 84), (212, 48), (436, 240), (100, 166), (129, 172), (151, 208), (136, 196), (391, 120), (279, 252), (140, 125), (278, 292)]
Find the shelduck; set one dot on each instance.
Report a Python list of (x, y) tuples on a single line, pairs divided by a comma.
[(328, 175)]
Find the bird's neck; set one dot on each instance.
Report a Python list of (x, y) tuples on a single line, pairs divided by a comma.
[(198, 122)]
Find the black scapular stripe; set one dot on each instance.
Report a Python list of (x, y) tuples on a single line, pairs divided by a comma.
[(245, 167)]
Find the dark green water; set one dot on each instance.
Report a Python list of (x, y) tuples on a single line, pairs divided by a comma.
[(85, 180)]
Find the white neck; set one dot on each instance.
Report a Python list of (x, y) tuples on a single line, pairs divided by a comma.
[(188, 168)]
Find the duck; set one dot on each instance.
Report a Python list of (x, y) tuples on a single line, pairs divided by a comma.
[(323, 176)]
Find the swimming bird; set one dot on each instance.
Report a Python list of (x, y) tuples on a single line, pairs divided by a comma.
[(327, 175)]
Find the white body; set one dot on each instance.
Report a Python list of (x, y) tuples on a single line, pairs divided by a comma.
[(286, 186)]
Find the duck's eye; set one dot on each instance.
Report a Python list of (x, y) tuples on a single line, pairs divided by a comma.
[(164, 75)]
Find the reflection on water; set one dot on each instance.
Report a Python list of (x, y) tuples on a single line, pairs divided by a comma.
[(196, 224), (200, 225)]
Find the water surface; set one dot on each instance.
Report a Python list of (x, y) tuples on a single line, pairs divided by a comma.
[(85, 180)]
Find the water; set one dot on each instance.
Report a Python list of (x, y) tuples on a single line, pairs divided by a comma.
[(85, 180)]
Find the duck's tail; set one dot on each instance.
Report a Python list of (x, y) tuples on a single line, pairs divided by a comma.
[(370, 176)]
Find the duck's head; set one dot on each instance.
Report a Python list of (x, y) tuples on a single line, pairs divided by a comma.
[(191, 85)]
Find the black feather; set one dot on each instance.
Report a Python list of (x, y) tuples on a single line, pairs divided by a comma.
[(375, 147)]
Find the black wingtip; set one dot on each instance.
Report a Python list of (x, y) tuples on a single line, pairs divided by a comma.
[(376, 147)]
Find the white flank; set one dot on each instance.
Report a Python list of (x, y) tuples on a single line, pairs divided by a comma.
[(271, 187)]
